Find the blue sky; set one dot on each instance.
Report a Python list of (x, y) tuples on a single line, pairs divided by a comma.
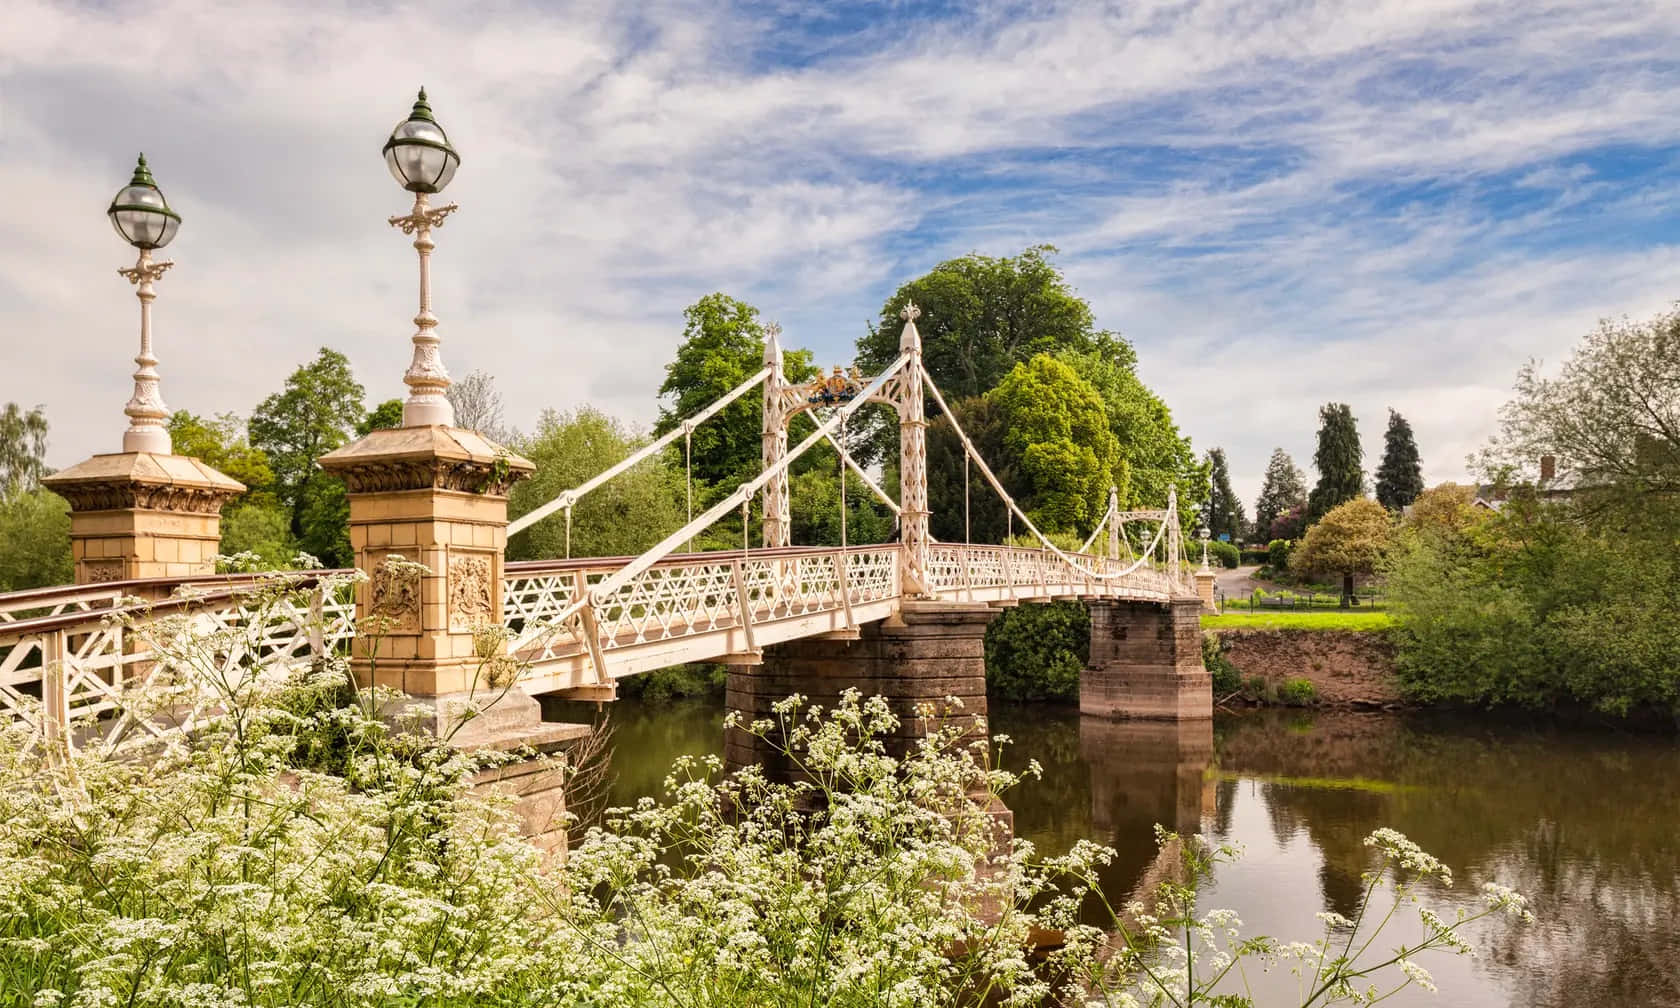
[(1391, 204)]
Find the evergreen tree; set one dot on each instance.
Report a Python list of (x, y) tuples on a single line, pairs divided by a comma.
[(317, 411), (1224, 512), (1341, 474), (1400, 477), (1284, 490)]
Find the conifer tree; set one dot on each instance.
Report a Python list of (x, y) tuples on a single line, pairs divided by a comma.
[(1400, 477), (1224, 512), (1341, 475), (1284, 490)]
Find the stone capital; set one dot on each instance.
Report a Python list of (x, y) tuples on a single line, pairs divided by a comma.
[(427, 458)]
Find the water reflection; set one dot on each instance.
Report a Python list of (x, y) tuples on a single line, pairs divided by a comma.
[(1587, 822)]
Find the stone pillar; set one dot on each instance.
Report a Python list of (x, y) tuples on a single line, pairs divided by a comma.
[(141, 514), (1204, 589), (1147, 772), (1146, 662)]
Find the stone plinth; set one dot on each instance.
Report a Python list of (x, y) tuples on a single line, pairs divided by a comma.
[(436, 497), (1146, 662), (143, 515), (1204, 589)]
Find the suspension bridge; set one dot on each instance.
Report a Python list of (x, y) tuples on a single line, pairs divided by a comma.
[(577, 626)]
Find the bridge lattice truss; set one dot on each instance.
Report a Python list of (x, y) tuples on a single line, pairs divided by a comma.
[(579, 625)]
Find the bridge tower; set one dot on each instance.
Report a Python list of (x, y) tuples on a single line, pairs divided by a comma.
[(778, 524)]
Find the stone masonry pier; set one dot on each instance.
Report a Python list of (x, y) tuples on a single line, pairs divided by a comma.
[(1146, 662)]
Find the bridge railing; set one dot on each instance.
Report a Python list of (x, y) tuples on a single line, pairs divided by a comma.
[(129, 668)]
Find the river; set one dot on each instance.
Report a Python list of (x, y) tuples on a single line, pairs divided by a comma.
[(1586, 822)]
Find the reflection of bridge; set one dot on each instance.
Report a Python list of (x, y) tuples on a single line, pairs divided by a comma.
[(900, 612)]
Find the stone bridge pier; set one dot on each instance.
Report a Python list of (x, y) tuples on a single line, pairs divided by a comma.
[(1146, 662), (927, 653)]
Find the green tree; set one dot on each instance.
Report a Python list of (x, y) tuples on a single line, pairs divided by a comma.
[(34, 540), (1341, 474), (981, 316), (814, 503), (220, 442), (1154, 456), (386, 416), (1224, 513), (1400, 476), (979, 516), (23, 449), (1036, 652), (263, 529), (316, 412), (723, 345), (623, 517), (1352, 540), (1611, 416), (1056, 428), (1283, 491)]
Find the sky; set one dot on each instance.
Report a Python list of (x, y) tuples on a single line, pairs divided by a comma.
[(1388, 203)]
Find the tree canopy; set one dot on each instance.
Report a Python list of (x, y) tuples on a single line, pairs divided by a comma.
[(1400, 476), (723, 345), (1154, 456), (1339, 459), (1223, 512), (1284, 491), (318, 410), (23, 449), (1056, 428), (1352, 539)]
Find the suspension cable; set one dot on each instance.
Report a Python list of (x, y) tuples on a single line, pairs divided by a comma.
[(842, 460), (968, 534), (688, 470), (646, 452)]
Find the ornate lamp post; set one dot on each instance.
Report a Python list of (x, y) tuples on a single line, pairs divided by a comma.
[(144, 219), (1205, 576), (1202, 534), (423, 162)]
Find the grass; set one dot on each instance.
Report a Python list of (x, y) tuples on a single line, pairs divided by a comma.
[(1328, 619)]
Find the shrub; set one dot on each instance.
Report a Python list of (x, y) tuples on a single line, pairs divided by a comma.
[(1226, 679), (1277, 554), (1297, 692), (697, 679), (1255, 555), (1035, 652), (1221, 554)]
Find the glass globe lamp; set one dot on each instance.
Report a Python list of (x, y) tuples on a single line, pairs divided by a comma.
[(140, 213), (419, 153)]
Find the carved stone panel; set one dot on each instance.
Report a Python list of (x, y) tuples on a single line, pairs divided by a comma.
[(394, 595), (471, 601), (102, 571)]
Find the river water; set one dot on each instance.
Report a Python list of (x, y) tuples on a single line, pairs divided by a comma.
[(1586, 822)]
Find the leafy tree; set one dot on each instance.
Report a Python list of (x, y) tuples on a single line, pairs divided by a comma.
[(1351, 540), (1444, 508), (319, 408), (1291, 525), (981, 316), (1400, 476), (983, 420), (1611, 416), (1283, 491), (34, 540), (263, 529), (1036, 652), (1153, 455), (1056, 428), (723, 345), (23, 449), (386, 416), (1341, 476), (220, 442), (625, 516), (1224, 513), (814, 502)]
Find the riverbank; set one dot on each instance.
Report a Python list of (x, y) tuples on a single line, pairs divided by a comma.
[(1346, 667)]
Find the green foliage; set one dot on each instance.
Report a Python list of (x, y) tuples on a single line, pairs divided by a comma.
[(677, 682), (723, 345), (1541, 606), (1351, 540), (1297, 692), (34, 540), (1400, 476), (1035, 652), (317, 411), (981, 316), (1226, 679), (1154, 456), (1277, 554), (984, 422), (220, 442), (1339, 459), (1056, 430), (1220, 554), (23, 449), (263, 530), (814, 503), (1283, 491), (386, 416), (1223, 513), (623, 517)]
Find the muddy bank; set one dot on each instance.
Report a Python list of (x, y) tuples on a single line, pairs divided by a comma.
[(1348, 668)]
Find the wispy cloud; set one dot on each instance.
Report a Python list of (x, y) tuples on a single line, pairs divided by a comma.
[(1282, 203)]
